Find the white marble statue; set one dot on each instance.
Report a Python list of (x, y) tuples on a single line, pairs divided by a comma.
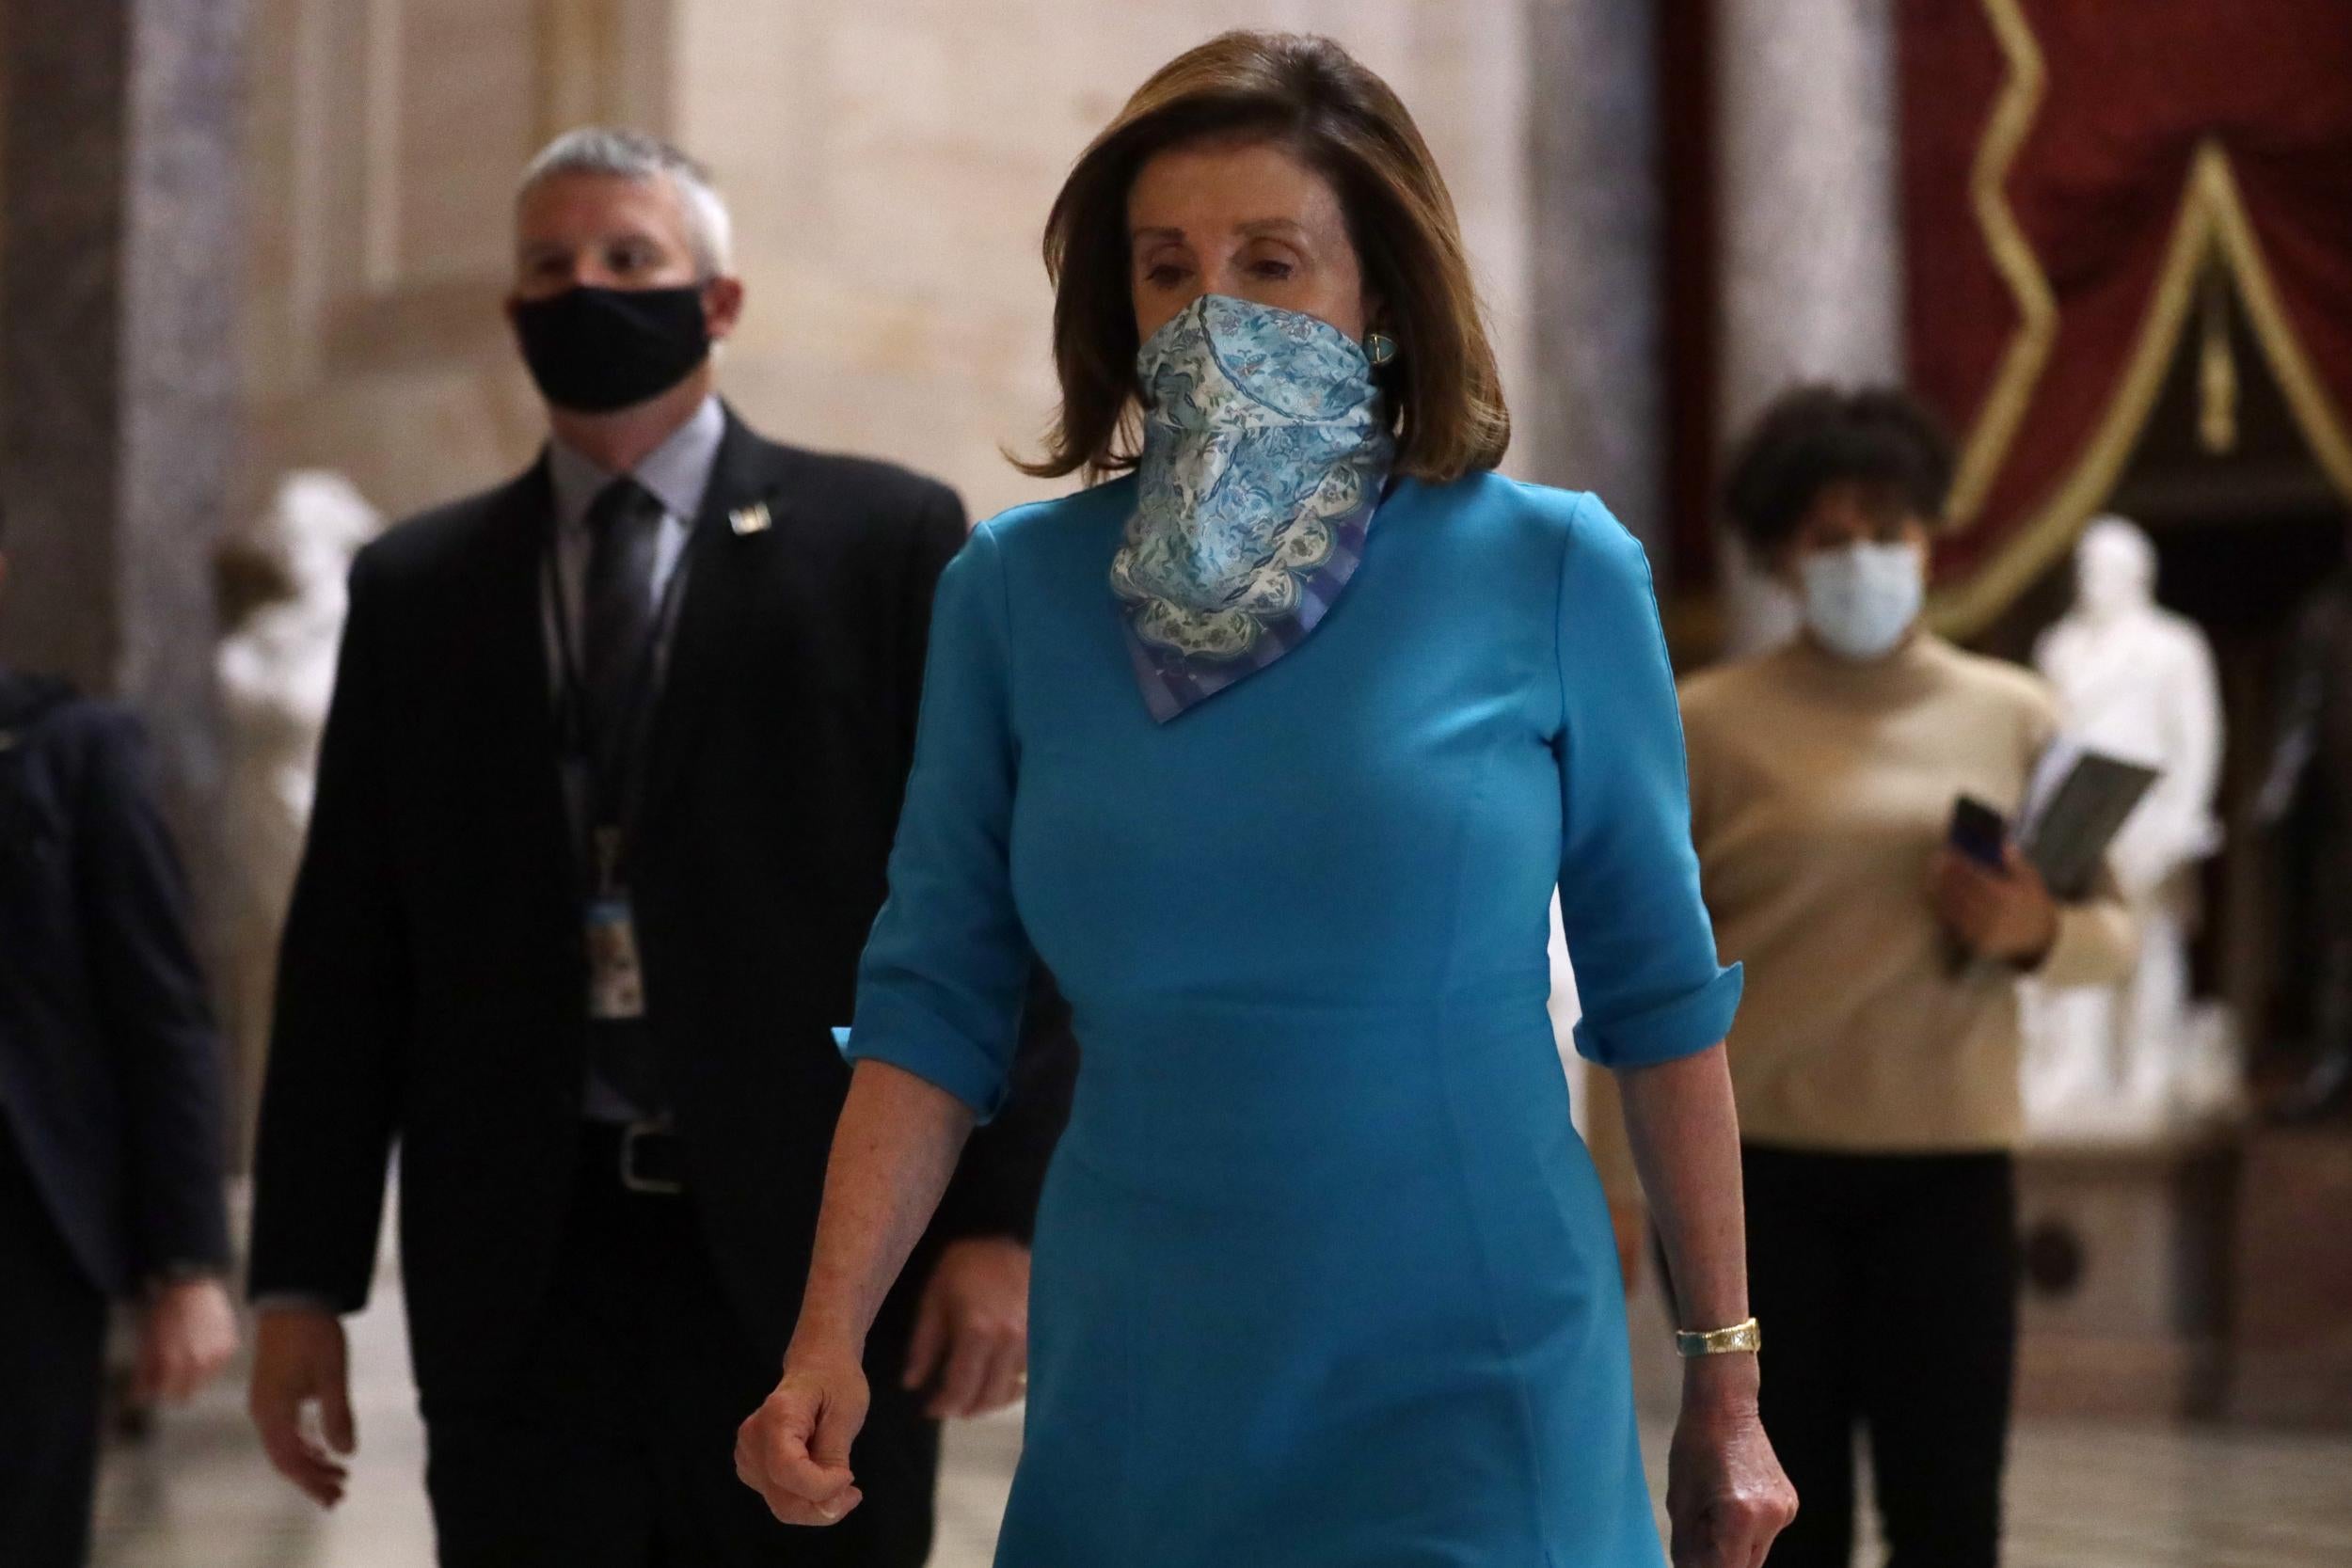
[(277, 671), (2138, 682)]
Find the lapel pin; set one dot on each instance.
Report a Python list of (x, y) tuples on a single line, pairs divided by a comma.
[(750, 519)]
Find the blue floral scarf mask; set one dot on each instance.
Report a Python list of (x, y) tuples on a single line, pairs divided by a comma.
[(1265, 445)]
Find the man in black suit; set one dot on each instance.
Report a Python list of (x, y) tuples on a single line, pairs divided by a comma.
[(111, 1089), (607, 789)]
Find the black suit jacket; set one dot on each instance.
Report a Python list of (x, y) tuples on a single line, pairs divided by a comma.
[(433, 977), (111, 1079)]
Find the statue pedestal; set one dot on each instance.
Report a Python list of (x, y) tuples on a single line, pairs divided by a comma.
[(2127, 1262), (2290, 1300)]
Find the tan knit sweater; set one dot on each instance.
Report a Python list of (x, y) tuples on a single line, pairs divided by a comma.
[(1820, 791)]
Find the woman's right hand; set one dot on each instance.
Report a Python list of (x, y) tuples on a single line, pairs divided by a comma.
[(794, 1450)]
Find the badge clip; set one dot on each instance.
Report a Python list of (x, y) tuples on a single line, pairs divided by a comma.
[(750, 519)]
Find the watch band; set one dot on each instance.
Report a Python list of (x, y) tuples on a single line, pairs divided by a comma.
[(1740, 1338)]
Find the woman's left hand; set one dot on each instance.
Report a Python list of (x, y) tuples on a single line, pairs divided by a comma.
[(2007, 916), (1726, 1497)]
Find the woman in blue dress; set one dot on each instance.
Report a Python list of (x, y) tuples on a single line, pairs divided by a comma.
[(1273, 748)]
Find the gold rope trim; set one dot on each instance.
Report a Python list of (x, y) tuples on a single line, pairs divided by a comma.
[(2029, 350), (2212, 214), (2316, 412), (2216, 366)]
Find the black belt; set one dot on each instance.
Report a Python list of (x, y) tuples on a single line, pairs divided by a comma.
[(644, 1157)]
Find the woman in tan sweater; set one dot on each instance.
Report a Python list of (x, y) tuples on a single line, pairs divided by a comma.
[(1876, 1062)]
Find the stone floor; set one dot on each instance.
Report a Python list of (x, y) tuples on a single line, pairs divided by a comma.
[(197, 1494)]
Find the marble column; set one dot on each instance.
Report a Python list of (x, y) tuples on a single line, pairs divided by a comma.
[(1596, 253), (118, 357), (1811, 257)]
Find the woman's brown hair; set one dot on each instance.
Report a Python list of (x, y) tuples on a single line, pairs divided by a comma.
[(1310, 96)]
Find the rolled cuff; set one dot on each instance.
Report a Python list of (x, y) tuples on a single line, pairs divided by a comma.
[(1687, 1024), (917, 1043)]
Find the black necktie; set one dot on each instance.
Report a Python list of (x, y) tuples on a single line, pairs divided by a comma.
[(617, 616), (616, 623)]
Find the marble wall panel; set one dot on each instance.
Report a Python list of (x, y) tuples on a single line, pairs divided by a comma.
[(1811, 249), (1594, 402), (891, 162), (124, 219)]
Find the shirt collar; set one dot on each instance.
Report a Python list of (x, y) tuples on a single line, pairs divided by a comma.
[(677, 471)]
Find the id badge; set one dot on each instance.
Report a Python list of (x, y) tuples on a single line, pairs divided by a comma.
[(616, 980)]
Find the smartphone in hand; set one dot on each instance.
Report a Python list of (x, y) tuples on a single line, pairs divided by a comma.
[(1980, 832)]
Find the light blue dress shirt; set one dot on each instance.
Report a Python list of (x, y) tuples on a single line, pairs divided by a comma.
[(677, 474)]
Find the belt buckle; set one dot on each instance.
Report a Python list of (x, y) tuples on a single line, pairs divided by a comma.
[(631, 1136)]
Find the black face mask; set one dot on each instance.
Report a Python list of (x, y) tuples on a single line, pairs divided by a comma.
[(594, 350)]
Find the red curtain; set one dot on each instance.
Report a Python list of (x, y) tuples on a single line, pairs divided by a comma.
[(2066, 164)]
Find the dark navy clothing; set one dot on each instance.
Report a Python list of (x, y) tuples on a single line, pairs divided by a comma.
[(111, 1074), (111, 1090)]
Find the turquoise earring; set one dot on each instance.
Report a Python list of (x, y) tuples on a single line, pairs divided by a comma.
[(1379, 348)]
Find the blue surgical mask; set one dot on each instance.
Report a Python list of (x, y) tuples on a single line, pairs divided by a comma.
[(1265, 443), (1861, 600)]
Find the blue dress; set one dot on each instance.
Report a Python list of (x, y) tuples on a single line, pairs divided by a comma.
[(1323, 1275)]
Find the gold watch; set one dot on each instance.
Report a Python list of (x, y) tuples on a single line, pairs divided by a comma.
[(1740, 1338)]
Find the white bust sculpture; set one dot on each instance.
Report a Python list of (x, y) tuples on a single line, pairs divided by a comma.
[(2138, 682), (276, 672)]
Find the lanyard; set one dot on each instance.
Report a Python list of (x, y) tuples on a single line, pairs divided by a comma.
[(612, 802)]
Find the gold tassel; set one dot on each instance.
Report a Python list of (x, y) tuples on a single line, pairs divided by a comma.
[(2217, 368)]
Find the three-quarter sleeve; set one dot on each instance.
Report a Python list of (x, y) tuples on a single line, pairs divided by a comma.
[(1638, 932), (945, 968)]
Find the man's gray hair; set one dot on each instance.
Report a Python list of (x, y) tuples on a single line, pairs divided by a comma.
[(634, 155)]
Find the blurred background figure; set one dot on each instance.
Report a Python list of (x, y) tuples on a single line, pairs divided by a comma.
[(2136, 682), (111, 1098), (1876, 1062), (2307, 805), (606, 785), (276, 672)]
